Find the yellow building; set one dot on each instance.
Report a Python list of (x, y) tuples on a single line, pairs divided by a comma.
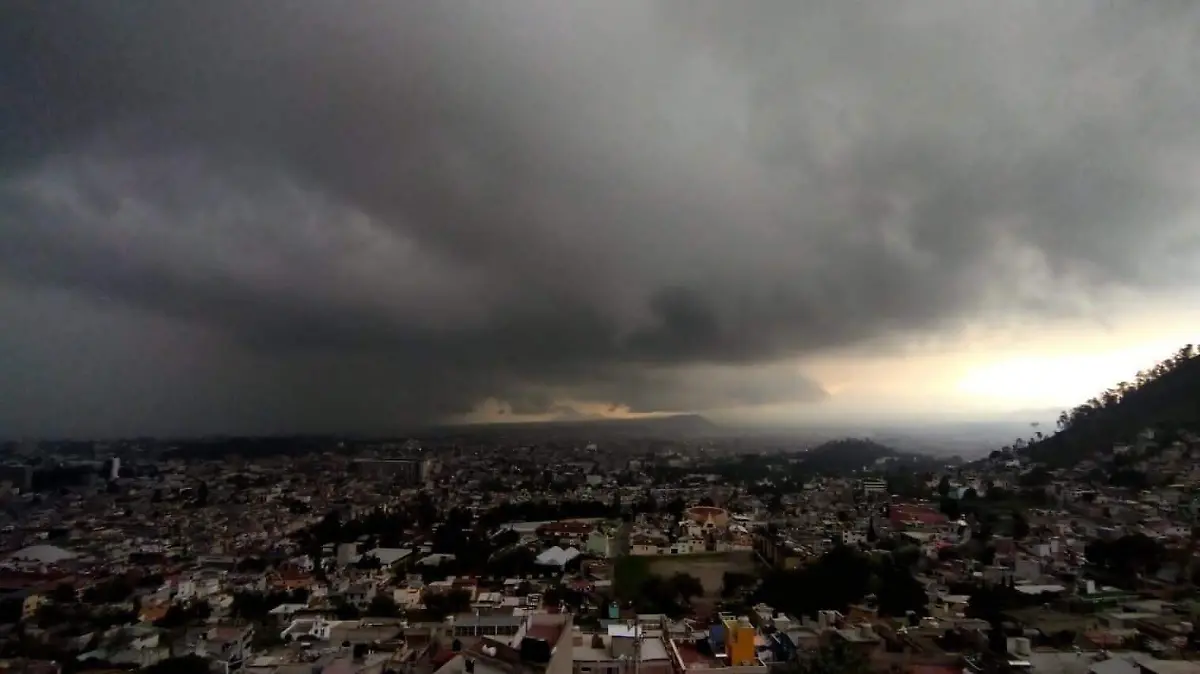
[(739, 641), (30, 606)]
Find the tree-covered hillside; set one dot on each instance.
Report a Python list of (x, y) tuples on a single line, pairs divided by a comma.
[(838, 457), (1165, 398)]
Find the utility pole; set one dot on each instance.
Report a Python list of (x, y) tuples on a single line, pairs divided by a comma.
[(637, 649), (637, 646)]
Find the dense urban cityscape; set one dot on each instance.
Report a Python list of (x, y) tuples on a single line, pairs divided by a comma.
[(487, 550), (599, 337)]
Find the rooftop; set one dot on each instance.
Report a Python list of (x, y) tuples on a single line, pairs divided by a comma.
[(691, 657), (548, 632)]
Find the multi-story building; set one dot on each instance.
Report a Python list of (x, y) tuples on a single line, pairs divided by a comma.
[(621, 650), (873, 486), (227, 647)]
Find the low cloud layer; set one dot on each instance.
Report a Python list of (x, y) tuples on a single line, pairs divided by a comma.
[(372, 214)]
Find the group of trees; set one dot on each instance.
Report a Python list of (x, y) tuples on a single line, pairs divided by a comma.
[(834, 658), (990, 516), (636, 585), (1126, 557), (844, 576), (671, 595), (256, 606), (183, 614), (438, 605), (734, 582), (188, 664), (772, 474)]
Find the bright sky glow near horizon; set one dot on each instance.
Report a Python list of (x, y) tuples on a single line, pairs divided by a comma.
[(312, 216)]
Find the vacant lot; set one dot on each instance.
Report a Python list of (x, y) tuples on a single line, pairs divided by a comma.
[(709, 568)]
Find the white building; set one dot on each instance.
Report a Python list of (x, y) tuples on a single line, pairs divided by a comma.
[(873, 486)]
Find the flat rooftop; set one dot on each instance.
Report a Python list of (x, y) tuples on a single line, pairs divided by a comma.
[(691, 656), (548, 632)]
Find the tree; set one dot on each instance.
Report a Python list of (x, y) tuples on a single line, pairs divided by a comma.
[(189, 664), (442, 604), (562, 594), (382, 606), (10, 611), (251, 565), (368, 563), (907, 556), (49, 615), (519, 562), (687, 586), (252, 606), (986, 529), (1129, 478), (844, 576), (987, 555), (64, 593), (629, 574), (202, 495), (943, 488), (675, 507), (180, 615), (1038, 476), (1128, 556), (835, 658), (112, 591), (344, 611), (1020, 526), (658, 595), (732, 582)]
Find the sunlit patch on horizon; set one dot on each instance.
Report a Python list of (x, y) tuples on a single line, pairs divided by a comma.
[(1058, 380)]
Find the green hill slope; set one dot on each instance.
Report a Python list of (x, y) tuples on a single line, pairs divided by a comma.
[(1165, 398)]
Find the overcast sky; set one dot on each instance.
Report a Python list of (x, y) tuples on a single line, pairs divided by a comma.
[(228, 216)]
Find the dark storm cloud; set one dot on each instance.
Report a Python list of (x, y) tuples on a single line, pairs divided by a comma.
[(377, 212)]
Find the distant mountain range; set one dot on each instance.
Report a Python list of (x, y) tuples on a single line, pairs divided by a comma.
[(673, 425)]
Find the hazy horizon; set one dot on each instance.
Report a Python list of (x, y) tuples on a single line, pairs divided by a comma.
[(232, 218)]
